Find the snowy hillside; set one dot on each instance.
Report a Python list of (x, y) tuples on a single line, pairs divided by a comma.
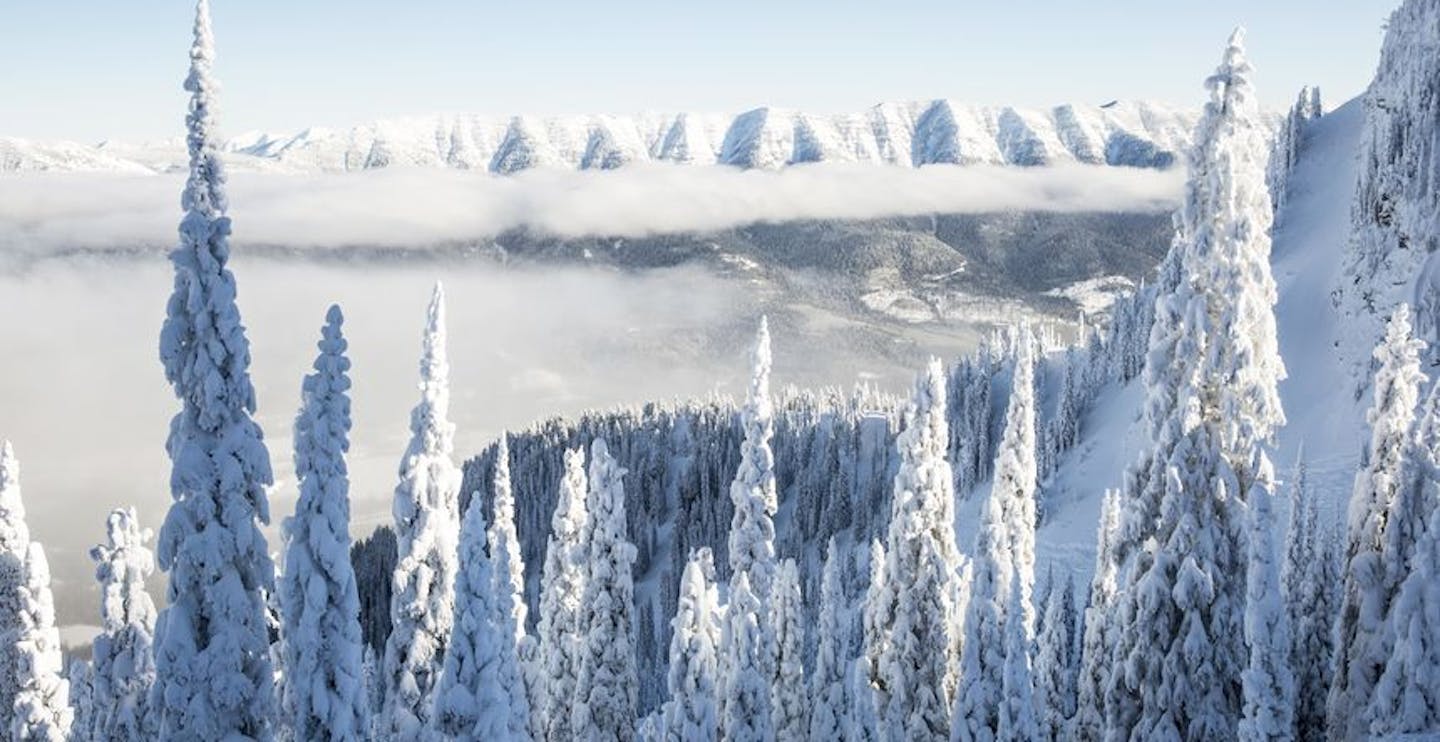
[(1126, 134)]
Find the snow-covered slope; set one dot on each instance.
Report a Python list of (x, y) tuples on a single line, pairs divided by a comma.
[(1131, 134)]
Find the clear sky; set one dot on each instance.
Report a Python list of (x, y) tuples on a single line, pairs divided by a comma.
[(93, 69)]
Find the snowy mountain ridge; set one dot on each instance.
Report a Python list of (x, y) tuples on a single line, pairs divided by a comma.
[(910, 134)]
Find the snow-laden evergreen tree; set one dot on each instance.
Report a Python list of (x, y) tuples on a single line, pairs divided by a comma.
[(325, 695), (562, 590), (752, 530), (1057, 665), (692, 714), (788, 704), (212, 649), (1212, 383), (122, 665), (864, 723), (517, 657), (1268, 684), (82, 699), (1407, 695), (877, 618), (42, 697), (472, 700), (1289, 139), (1309, 582), (422, 606), (1368, 582), (829, 701), (1017, 695), (921, 559), (747, 716), (606, 688), (1004, 559), (14, 548), (1089, 721)]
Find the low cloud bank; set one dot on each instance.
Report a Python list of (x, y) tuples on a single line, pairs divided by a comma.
[(397, 208)]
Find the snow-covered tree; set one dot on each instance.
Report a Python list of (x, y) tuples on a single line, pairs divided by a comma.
[(607, 686), (82, 700), (122, 665), (1017, 722), (864, 724), (752, 530), (788, 704), (1004, 559), (1095, 645), (921, 559), (517, 657), (747, 716), (427, 530), (1407, 694), (1212, 383), (1268, 684), (692, 714), (14, 548), (320, 605), (562, 590), (829, 701), (213, 634), (472, 699), (1057, 665), (876, 621), (1368, 582), (1309, 582), (42, 699)]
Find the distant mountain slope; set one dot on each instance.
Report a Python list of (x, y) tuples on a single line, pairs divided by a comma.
[(1128, 134)]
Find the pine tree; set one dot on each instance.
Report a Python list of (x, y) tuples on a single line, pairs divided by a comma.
[(1309, 580), (517, 657), (427, 529), (471, 697), (1368, 586), (752, 530), (692, 714), (1004, 559), (1407, 693), (747, 716), (876, 621), (14, 548), (320, 604), (1212, 383), (607, 687), (787, 695), (1017, 722), (562, 588), (829, 701), (1095, 646), (213, 634), (921, 558), (1267, 683), (122, 668), (1057, 666), (42, 701)]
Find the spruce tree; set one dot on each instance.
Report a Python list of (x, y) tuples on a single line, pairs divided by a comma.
[(518, 653), (921, 559), (829, 701), (1017, 722), (42, 700), (607, 686), (471, 697), (213, 634), (1095, 645), (562, 589), (1057, 666), (747, 716), (1268, 684), (320, 604), (788, 705), (752, 530), (692, 714), (427, 531), (122, 665), (1309, 583), (1368, 584), (14, 548)]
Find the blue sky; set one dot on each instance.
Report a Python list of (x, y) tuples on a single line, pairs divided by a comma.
[(92, 69)]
